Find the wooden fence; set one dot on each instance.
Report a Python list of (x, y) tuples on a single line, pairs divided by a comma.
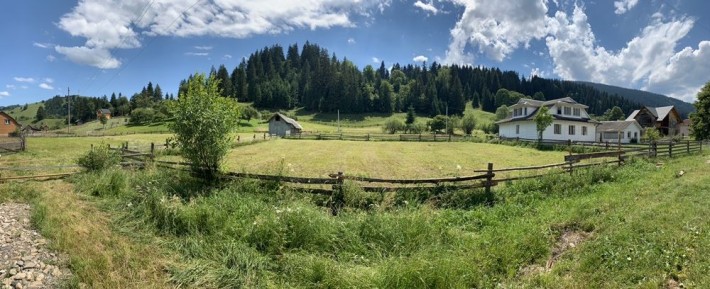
[(383, 137), (12, 144)]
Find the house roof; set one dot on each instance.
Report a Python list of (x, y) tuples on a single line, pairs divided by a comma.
[(660, 113), (288, 120), (105, 111), (2, 113), (549, 103), (615, 126)]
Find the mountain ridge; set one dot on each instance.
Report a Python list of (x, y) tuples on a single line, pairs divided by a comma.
[(643, 97)]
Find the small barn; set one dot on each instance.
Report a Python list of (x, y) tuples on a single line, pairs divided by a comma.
[(104, 112), (8, 125), (626, 131), (282, 125)]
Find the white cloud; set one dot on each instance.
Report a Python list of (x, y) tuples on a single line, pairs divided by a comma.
[(624, 6), (203, 47), (197, 53), (537, 72), (648, 61), (428, 7), (375, 60), (42, 45), (4, 93), (496, 28), (97, 57), (227, 56), (111, 24), (351, 41), (420, 58), (51, 58), (45, 86), (10, 86), (23, 86), (49, 80), (24, 79)]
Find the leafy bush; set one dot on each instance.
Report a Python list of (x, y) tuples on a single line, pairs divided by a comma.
[(393, 125), (203, 123), (417, 127), (468, 123), (142, 116), (99, 158)]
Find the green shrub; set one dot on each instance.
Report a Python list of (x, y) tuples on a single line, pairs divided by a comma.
[(108, 183), (99, 158), (142, 116)]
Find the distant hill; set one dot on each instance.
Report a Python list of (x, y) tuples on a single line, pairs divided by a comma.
[(644, 97)]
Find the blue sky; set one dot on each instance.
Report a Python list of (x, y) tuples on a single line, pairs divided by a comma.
[(96, 47)]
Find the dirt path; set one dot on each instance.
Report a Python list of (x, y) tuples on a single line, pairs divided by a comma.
[(25, 261)]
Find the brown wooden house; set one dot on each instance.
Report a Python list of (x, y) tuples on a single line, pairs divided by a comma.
[(8, 124), (666, 119), (103, 111)]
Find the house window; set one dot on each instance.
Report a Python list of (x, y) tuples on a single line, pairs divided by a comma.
[(7, 121), (517, 129), (568, 110), (576, 111), (526, 111), (629, 134), (558, 129), (559, 110), (584, 130), (636, 135), (571, 130)]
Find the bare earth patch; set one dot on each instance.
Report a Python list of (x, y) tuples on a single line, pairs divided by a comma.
[(569, 239)]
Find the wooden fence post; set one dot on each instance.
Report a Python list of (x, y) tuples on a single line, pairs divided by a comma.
[(489, 183), (701, 146), (264, 135), (687, 147), (338, 196), (449, 138), (152, 151), (670, 149), (368, 136), (607, 145), (420, 137), (655, 149)]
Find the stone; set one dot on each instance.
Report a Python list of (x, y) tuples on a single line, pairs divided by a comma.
[(13, 271), (30, 265), (19, 276), (56, 272)]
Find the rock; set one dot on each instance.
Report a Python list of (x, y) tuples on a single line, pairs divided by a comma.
[(13, 271), (30, 265), (19, 276), (39, 277), (56, 272)]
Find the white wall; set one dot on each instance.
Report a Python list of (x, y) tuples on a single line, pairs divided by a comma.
[(528, 130), (613, 137)]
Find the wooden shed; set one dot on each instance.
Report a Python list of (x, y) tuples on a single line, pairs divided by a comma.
[(282, 125)]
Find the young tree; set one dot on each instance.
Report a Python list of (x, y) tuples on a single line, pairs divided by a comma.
[(701, 117), (651, 134), (468, 123), (543, 119), (40, 113), (614, 113), (203, 123), (103, 119), (437, 123), (502, 112)]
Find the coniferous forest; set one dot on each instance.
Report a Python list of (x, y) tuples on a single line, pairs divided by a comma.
[(318, 81)]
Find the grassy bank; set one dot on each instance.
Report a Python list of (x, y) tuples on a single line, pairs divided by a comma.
[(638, 226)]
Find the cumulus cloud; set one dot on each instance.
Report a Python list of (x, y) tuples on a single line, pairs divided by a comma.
[(49, 80), (46, 86), (97, 57), (428, 7), (351, 41), (227, 56), (648, 61), (537, 72), (10, 86), (113, 24), (495, 28), (4, 93), (24, 79), (375, 60), (51, 58), (420, 58), (624, 5)]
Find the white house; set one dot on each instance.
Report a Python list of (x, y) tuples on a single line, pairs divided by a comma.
[(570, 121), (282, 125), (626, 131)]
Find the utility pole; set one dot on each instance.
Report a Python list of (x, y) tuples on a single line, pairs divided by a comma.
[(338, 120), (68, 111), (447, 118)]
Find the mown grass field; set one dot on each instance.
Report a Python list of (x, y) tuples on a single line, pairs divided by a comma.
[(641, 226), (381, 159)]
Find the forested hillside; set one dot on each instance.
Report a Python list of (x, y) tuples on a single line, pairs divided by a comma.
[(319, 81), (644, 97)]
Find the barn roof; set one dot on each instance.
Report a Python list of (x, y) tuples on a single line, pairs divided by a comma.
[(615, 126), (288, 120), (660, 113), (105, 111), (7, 116)]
